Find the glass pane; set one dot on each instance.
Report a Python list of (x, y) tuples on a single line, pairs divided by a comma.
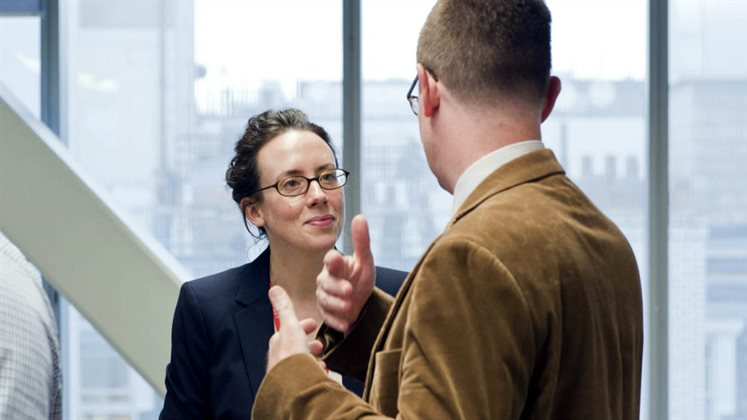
[(708, 210), (158, 93), (597, 131), (125, 66), (239, 76), (98, 382), (598, 127), (400, 197), (20, 60)]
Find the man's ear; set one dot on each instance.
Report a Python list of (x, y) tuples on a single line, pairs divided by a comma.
[(429, 95), (252, 212), (553, 90)]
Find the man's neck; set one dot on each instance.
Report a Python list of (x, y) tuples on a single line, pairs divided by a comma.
[(476, 133)]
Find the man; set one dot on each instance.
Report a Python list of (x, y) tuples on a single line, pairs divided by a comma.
[(30, 375), (529, 303)]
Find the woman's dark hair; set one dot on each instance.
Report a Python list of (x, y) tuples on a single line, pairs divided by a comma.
[(242, 175)]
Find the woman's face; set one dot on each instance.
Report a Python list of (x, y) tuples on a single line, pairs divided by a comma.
[(311, 221)]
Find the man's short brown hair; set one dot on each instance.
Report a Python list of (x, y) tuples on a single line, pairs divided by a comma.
[(488, 49)]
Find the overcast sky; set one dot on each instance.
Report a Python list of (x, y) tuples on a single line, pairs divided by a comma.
[(245, 42)]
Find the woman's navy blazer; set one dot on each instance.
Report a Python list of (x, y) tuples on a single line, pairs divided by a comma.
[(219, 340)]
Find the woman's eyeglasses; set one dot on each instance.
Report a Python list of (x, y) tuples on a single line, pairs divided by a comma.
[(291, 186)]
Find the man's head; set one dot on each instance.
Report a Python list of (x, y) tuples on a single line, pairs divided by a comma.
[(484, 80), (485, 50)]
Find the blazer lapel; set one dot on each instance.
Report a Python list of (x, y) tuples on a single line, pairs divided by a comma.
[(254, 321)]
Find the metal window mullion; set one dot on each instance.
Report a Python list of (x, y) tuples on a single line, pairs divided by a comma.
[(658, 209), (351, 110), (51, 115), (50, 95), (50, 65)]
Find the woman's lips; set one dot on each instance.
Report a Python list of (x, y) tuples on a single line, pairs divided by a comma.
[(321, 221)]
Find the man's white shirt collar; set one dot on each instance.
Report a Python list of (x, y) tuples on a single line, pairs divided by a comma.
[(486, 165)]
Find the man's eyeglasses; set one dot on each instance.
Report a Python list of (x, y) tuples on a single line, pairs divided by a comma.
[(413, 99), (291, 186)]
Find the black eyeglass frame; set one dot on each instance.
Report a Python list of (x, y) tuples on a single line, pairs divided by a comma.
[(308, 182), (413, 99)]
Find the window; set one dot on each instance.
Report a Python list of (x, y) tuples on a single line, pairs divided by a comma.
[(126, 83), (400, 197), (597, 130), (157, 95), (708, 210), (20, 59), (598, 127), (250, 56)]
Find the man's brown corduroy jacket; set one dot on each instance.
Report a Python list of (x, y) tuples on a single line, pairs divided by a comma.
[(527, 306)]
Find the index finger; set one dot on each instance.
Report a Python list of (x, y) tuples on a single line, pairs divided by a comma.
[(334, 278), (361, 238), (283, 306), (336, 266)]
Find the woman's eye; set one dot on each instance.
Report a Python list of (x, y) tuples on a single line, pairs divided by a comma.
[(291, 183)]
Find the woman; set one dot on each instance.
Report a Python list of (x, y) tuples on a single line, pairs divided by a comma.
[(287, 183)]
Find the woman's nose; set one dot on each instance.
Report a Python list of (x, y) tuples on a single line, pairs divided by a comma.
[(316, 193)]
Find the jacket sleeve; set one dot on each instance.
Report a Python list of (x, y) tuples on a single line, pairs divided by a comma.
[(349, 354), (187, 387), (467, 351)]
